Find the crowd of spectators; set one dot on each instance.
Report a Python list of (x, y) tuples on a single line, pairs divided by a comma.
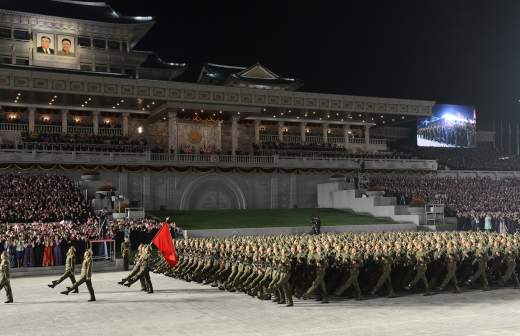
[(330, 150), (469, 199), (83, 142), (26, 198), (45, 244)]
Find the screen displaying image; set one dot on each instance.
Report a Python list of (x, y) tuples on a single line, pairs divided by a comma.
[(449, 126), (45, 43)]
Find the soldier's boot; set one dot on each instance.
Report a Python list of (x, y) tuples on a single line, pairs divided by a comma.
[(53, 284), (485, 284), (92, 298), (76, 291), (122, 282)]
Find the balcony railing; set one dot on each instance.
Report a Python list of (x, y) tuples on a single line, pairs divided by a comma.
[(14, 127), (269, 138), (49, 156), (48, 129), (339, 140), (81, 147), (108, 131), (80, 130)]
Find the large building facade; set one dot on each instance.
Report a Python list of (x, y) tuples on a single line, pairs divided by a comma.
[(76, 95)]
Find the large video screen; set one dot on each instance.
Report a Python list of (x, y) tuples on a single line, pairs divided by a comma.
[(449, 126)]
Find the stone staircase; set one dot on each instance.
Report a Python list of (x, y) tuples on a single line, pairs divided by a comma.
[(342, 196)]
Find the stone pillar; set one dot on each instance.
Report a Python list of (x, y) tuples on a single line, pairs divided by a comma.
[(257, 131), (64, 121), (125, 123), (95, 122), (218, 141), (234, 134), (302, 132), (280, 130), (172, 131), (32, 117), (346, 129), (325, 131), (367, 136)]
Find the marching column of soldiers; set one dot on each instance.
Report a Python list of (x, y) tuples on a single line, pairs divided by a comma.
[(459, 135), (279, 268)]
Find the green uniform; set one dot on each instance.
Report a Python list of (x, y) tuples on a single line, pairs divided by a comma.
[(4, 279)]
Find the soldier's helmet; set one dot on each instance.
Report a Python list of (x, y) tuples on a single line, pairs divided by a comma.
[(72, 249), (88, 253)]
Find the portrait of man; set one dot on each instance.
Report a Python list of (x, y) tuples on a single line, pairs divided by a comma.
[(45, 44), (65, 45)]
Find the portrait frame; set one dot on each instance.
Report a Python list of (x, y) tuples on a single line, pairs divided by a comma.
[(66, 45), (41, 46)]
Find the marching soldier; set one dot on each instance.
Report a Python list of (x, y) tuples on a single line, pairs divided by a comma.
[(4, 277), (143, 271), (125, 253), (69, 269), (85, 277)]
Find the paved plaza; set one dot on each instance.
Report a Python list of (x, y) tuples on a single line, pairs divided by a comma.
[(180, 308)]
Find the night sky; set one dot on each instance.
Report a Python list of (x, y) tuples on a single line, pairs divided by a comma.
[(451, 51)]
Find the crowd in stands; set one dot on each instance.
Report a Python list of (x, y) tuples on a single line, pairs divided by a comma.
[(469, 199), (483, 157), (330, 150), (26, 198), (45, 244), (83, 142)]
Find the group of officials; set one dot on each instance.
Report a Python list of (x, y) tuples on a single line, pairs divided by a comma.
[(279, 268)]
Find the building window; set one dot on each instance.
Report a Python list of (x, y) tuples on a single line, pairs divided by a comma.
[(5, 32), (115, 70), (6, 59), (84, 41), (22, 35), (99, 44), (85, 67), (22, 61), (113, 45), (101, 68)]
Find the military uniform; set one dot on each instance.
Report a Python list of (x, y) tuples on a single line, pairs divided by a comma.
[(69, 269), (85, 276), (4, 278)]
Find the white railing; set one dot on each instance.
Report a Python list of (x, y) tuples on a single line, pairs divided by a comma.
[(48, 129), (356, 140), (204, 160), (269, 138), (313, 139), (292, 139), (80, 130), (336, 140), (377, 141), (110, 131), (14, 127), (81, 147)]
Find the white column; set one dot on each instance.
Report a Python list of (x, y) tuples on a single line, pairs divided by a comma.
[(257, 124), (32, 117), (280, 130), (234, 134), (367, 136), (172, 131), (218, 143), (95, 122), (302, 132), (346, 129), (125, 123), (64, 121), (325, 133)]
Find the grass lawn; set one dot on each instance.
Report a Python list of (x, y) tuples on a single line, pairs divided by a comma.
[(231, 219)]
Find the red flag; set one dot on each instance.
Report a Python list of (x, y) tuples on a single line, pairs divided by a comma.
[(164, 242)]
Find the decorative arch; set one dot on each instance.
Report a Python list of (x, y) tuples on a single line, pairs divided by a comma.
[(224, 184)]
